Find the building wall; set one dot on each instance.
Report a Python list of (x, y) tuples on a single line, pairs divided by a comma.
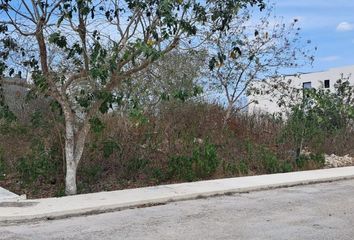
[(268, 103)]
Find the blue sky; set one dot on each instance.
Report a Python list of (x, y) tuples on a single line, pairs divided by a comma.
[(330, 26)]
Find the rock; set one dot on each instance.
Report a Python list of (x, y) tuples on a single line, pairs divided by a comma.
[(334, 161)]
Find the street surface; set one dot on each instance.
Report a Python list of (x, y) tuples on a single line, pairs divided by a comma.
[(321, 211)]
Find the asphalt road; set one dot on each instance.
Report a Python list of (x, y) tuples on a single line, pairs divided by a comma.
[(322, 211)]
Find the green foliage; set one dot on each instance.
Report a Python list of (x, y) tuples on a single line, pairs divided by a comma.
[(271, 162), (332, 111), (57, 39), (241, 168), (206, 161), (157, 174), (304, 160), (37, 119), (40, 81), (287, 167), (109, 147), (203, 163), (136, 167), (97, 125), (91, 173), (6, 114), (13, 129), (138, 117), (321, 114), (60, 191), (39, 163), (181, 167)]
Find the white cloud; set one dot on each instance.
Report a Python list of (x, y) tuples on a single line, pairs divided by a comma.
[(345, 27), (329, 58)]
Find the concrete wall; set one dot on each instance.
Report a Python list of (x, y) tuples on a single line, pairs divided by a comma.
[(268, 103)]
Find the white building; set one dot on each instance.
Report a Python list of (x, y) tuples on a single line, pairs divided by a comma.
[(268, 102)]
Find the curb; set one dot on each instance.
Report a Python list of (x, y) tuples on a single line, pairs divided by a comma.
[(22, 211)]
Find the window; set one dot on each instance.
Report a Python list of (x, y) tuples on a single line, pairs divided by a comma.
[(326, 83), (307, 85)]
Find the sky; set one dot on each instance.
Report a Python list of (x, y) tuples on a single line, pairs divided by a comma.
[(329, 24)]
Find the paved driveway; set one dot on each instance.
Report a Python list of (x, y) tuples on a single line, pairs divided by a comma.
[(322, 211)]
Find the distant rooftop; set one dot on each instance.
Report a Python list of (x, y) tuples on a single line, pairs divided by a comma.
[(336, 69)]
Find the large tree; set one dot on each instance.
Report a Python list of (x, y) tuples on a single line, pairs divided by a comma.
[(256, 47), (79, 52)]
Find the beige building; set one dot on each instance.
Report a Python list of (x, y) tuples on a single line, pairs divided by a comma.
[(268, 100)]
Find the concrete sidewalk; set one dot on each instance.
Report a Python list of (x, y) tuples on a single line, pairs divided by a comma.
[(6, 195), (51, 208)]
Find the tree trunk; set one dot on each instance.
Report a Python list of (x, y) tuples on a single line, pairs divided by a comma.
[(71, 164), (70, 179), (228, 113), (74, 147)]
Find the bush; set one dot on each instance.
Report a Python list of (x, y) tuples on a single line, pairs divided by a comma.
[(38, 163), (240, 168), (203, 163), (181, 167), (109, 147), (136, 167), (287, 167), (91, 173), (270, 162), (306, 160)]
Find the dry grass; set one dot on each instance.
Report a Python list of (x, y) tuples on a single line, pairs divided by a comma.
[(134, 152)]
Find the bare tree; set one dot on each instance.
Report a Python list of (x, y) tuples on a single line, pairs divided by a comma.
[(255, 48), (79, 52)]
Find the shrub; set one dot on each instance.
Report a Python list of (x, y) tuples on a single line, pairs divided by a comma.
[(287, 167), (203, 163), (240, 168), (40, 162), (91, 173), (109, 147), (206, 161), (181, 167), (306, 160), (271, 162), (137, 167), (158, 174)]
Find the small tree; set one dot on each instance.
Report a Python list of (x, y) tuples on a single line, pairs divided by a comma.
[(255, 48), (320, 113), (79, 52)]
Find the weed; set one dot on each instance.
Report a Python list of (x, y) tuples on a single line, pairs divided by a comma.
[(40, 162), (270, 162), (305, 160), (158, 174), (203, 163), (243, 168), (181, 167), (109, 147), (287, 167), (91, 173), (136, 167), (240, 168)]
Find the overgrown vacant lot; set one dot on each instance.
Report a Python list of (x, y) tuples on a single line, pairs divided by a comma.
[(184, 141), (105, 95)]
